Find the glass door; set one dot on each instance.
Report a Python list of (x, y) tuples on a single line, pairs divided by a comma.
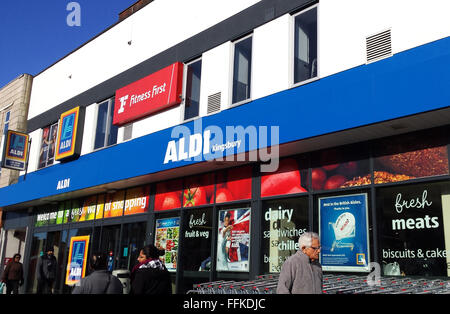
[(133, 239)]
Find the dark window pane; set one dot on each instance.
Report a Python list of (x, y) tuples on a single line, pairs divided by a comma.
[(305, 54), (112, 136), (193, 79), (100, 132), (242, 70)]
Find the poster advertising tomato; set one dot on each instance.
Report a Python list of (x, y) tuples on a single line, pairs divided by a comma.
[(137, 200), (234, 184), (114, 204), (167, 236), (286, 180), (168, 195), (233, 240), (199, 190)]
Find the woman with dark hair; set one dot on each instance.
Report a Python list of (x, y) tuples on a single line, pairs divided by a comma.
[(150, 276), (13, 275)]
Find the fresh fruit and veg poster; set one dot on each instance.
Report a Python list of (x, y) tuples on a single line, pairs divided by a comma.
[(167, 237)]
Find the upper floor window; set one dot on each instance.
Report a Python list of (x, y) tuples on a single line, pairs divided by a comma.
[(105, 131), (305, 45), (242, 66), (192, 89), (47, 152), (6, 122)]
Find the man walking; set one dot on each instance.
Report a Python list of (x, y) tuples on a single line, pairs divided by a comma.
[(302, 273), (46, 271)]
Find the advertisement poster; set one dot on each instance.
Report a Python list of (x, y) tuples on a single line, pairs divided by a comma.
[(15, 155), (343, 229), (67, 134), (284, 221), (168, 195), (137, 200), (197, 238), (286, 180), (114, 204), (199, 190), (167, 235), (414, 229), (77, 260), (233, 240), (88, 208)]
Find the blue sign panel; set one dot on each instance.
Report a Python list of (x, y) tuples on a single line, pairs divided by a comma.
[(343, 228)]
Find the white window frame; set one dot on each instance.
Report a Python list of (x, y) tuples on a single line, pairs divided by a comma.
[(292, 48), (183, 106), (231, 73), (108, 125)]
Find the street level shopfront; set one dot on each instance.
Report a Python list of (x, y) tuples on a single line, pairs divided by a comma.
[(384, 201)]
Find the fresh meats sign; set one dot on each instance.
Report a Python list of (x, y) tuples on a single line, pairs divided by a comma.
[(150, 94)]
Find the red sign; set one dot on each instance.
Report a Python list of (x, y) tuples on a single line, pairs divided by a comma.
[(148, 95)]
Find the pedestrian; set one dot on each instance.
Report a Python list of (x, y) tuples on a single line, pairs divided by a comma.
[(302, 273), (46, 271), (13, 275), (99, 281), (150, 276)]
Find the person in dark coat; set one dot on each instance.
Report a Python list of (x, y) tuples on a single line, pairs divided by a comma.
[(150, 276), (46, 271), (100, 281), (13, 275)]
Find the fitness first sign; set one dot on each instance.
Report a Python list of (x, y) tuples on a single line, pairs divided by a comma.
[(149, 95)]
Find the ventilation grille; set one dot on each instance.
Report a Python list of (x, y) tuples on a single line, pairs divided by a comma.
[(379, 46), (214, 102), (128, 132)]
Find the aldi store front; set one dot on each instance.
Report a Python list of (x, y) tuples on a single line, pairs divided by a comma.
[(373, 182), (378, 201)]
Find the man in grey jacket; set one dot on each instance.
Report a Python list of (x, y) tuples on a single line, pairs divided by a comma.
[(302, 273), (100, 281)]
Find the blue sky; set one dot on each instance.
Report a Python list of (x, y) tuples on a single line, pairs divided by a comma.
[(35, 34)]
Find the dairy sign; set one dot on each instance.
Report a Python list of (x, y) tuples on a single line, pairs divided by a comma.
[(76, 264), (68, 142), (16, 150), (149, 95)]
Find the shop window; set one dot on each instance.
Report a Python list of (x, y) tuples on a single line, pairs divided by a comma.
[(234, 184), (199, 190), (233, 240), (133, 239), (242, 66), (192, 89), (167, 236), (305, 45), (137, 200), (339, 168), (414, 229), (290, 178), (106, 131), (37, 246), (168, 195), (411, 156), (283, 221), (47, 151)]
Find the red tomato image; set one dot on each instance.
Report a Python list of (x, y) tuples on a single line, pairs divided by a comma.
[(283, 180), (329, 159), (169, 200), (194, 197), (318, 178), (349, 169), (239, 182), (335, 182), (223, 195), (296, 189), (207, 181)]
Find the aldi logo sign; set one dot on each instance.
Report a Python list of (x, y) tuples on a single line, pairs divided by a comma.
[(16, 150), (68, 142), (149, 95)]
